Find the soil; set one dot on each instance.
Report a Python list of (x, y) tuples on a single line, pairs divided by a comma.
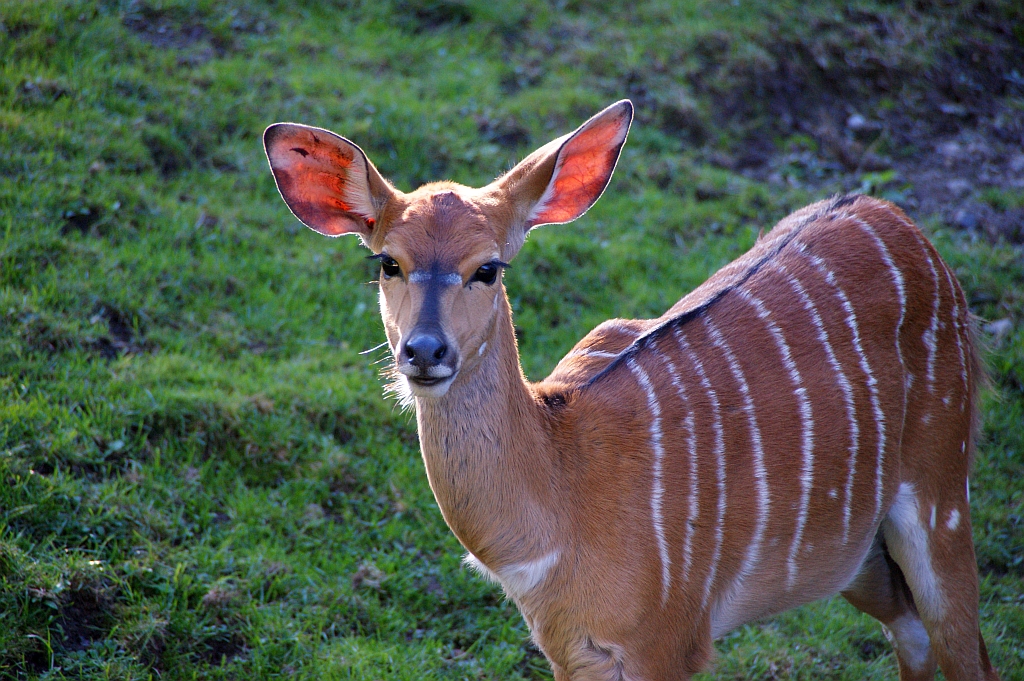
[(953, 133)]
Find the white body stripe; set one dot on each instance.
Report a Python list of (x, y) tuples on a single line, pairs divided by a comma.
[(901, 292), (872, 382), (693, 507), (806, 425), (933, 329), (753, 552), (957, 334), (586, 352), (716, 424), (844, 385), (931, 333), (657, 487), (897, 278)]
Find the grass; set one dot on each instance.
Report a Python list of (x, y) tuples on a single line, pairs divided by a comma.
[(200, 477)]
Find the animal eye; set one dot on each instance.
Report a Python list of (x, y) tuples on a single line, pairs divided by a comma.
[(388, 266), (486, 273)]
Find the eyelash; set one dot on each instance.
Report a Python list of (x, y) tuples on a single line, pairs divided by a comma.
[(486, 274)]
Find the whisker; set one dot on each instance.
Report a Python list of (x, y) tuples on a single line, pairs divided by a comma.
[(373, 349)]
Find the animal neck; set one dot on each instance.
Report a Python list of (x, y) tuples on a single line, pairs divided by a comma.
[(486, 452)]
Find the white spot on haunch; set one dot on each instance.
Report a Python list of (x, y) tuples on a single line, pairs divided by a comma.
[(657, 488), (932, 520), (832, 493), (954, 520), (907, 540), (483, 346)]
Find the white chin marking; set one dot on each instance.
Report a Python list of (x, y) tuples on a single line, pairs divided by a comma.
[(430, 391)]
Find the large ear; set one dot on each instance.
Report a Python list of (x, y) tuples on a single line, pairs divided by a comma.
[(327, 181), (560, 181)]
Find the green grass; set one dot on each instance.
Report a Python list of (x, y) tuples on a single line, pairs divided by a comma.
[(200, 476)]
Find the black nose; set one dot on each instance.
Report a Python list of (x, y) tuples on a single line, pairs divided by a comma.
[(425, 349)]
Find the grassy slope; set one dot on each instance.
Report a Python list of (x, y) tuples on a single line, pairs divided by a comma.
[(200, 478)]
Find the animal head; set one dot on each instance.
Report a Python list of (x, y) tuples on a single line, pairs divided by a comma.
[(442, 248)]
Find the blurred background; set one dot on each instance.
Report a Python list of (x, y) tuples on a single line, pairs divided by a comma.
[(200, 477)]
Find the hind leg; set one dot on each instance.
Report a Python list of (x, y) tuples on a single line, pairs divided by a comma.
[(929, 537), (880, 590)]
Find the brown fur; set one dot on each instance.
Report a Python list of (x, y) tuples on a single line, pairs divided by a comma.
[(554, 487)]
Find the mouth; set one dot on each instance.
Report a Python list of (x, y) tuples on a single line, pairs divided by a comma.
[(430, 386), (428, 381), (432, 382)]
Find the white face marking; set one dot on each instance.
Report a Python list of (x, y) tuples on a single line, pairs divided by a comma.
[(932, 520), (954, 520), (909, 637), (716, 425), (907, 540), (691, 440), (657, 488), (872, 382), (439, 371), (753, 552), (449, 279)]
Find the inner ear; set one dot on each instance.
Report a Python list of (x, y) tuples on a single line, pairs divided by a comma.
[(583, 167), (326, 180), (560, 181)]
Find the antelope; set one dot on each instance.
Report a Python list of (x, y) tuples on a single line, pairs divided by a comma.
[(800, 425)]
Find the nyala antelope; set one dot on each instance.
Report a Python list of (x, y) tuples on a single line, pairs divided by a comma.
[(800, 425)]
